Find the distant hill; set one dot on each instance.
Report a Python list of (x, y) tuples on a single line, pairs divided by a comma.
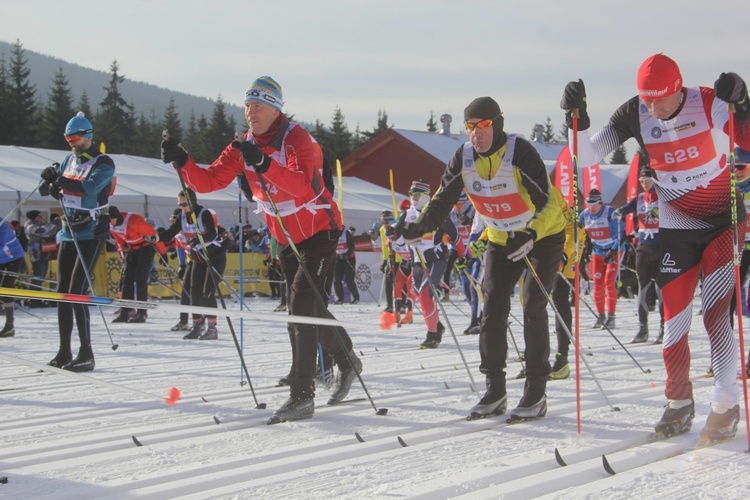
[(146, 98)]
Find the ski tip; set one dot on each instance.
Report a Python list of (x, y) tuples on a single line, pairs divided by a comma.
[(446, 385), (204, 399), (607, 467), (402, 442), (559, 458), (216, 420), (135, 440), (359, 438)]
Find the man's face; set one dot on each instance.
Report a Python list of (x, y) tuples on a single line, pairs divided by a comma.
[(260, 116), (183, 204), (647, 183), (480, 134), (594, 208), (663, 108), (741, 172)]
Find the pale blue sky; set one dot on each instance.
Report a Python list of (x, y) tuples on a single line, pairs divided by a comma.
[(407, 57)]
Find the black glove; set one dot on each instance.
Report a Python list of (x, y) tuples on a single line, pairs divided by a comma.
[(194, 242), (253, 156), (610, 256), (574, 97), (731, 88), (519, 244), (384, 266), (152, 239), (54, 191), (172, 152), (50, 174), (181, 272)]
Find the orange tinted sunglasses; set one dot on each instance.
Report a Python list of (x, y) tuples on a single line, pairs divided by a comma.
[(480, 124)]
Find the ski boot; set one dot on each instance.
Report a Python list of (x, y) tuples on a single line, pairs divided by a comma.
[(195, 331), (60, 360), (297, 407), (280, 308), (660, 336), (140, 317), (84, 362), (677, 418), (494, 402), (179, 327), (473, 328), (533, 404), (7, 331), (433, 338), (344, 380), (211, 333), (720, 425), (561, 368), (123, 317), (641, 336), (610, 323), (600, 320)]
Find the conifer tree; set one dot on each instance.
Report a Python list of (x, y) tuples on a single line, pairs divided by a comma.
[(114, 123), (431, 124), (83, 105), (340, 138), (57, 113), (20, 101), (619, 156), (220, 131), (4, 107), (171, 121)]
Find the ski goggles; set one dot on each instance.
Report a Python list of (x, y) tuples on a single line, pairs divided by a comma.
[(740, 166), (74, 139)]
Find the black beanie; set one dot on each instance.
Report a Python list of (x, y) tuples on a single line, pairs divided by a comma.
[(33, 214), (484, 108), (114, 213)]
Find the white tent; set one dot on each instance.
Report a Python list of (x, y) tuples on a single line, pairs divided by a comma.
[(149, 187)]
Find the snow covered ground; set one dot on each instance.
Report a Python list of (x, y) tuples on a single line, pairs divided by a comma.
[(69, 438)]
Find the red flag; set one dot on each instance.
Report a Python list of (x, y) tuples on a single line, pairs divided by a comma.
[(592, 178), (564, 175), (632, 191)]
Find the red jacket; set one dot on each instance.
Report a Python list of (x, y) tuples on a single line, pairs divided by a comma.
[(130, 234), (294, 180)]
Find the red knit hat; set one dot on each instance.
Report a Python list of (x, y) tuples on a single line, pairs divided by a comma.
[(658, 77)]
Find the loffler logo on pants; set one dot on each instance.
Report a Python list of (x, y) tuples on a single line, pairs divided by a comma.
[(667, 264)]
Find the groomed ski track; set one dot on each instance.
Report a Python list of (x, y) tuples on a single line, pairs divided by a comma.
[(61, 438)]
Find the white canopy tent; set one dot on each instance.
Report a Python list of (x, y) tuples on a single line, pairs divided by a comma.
[(149, 187)]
